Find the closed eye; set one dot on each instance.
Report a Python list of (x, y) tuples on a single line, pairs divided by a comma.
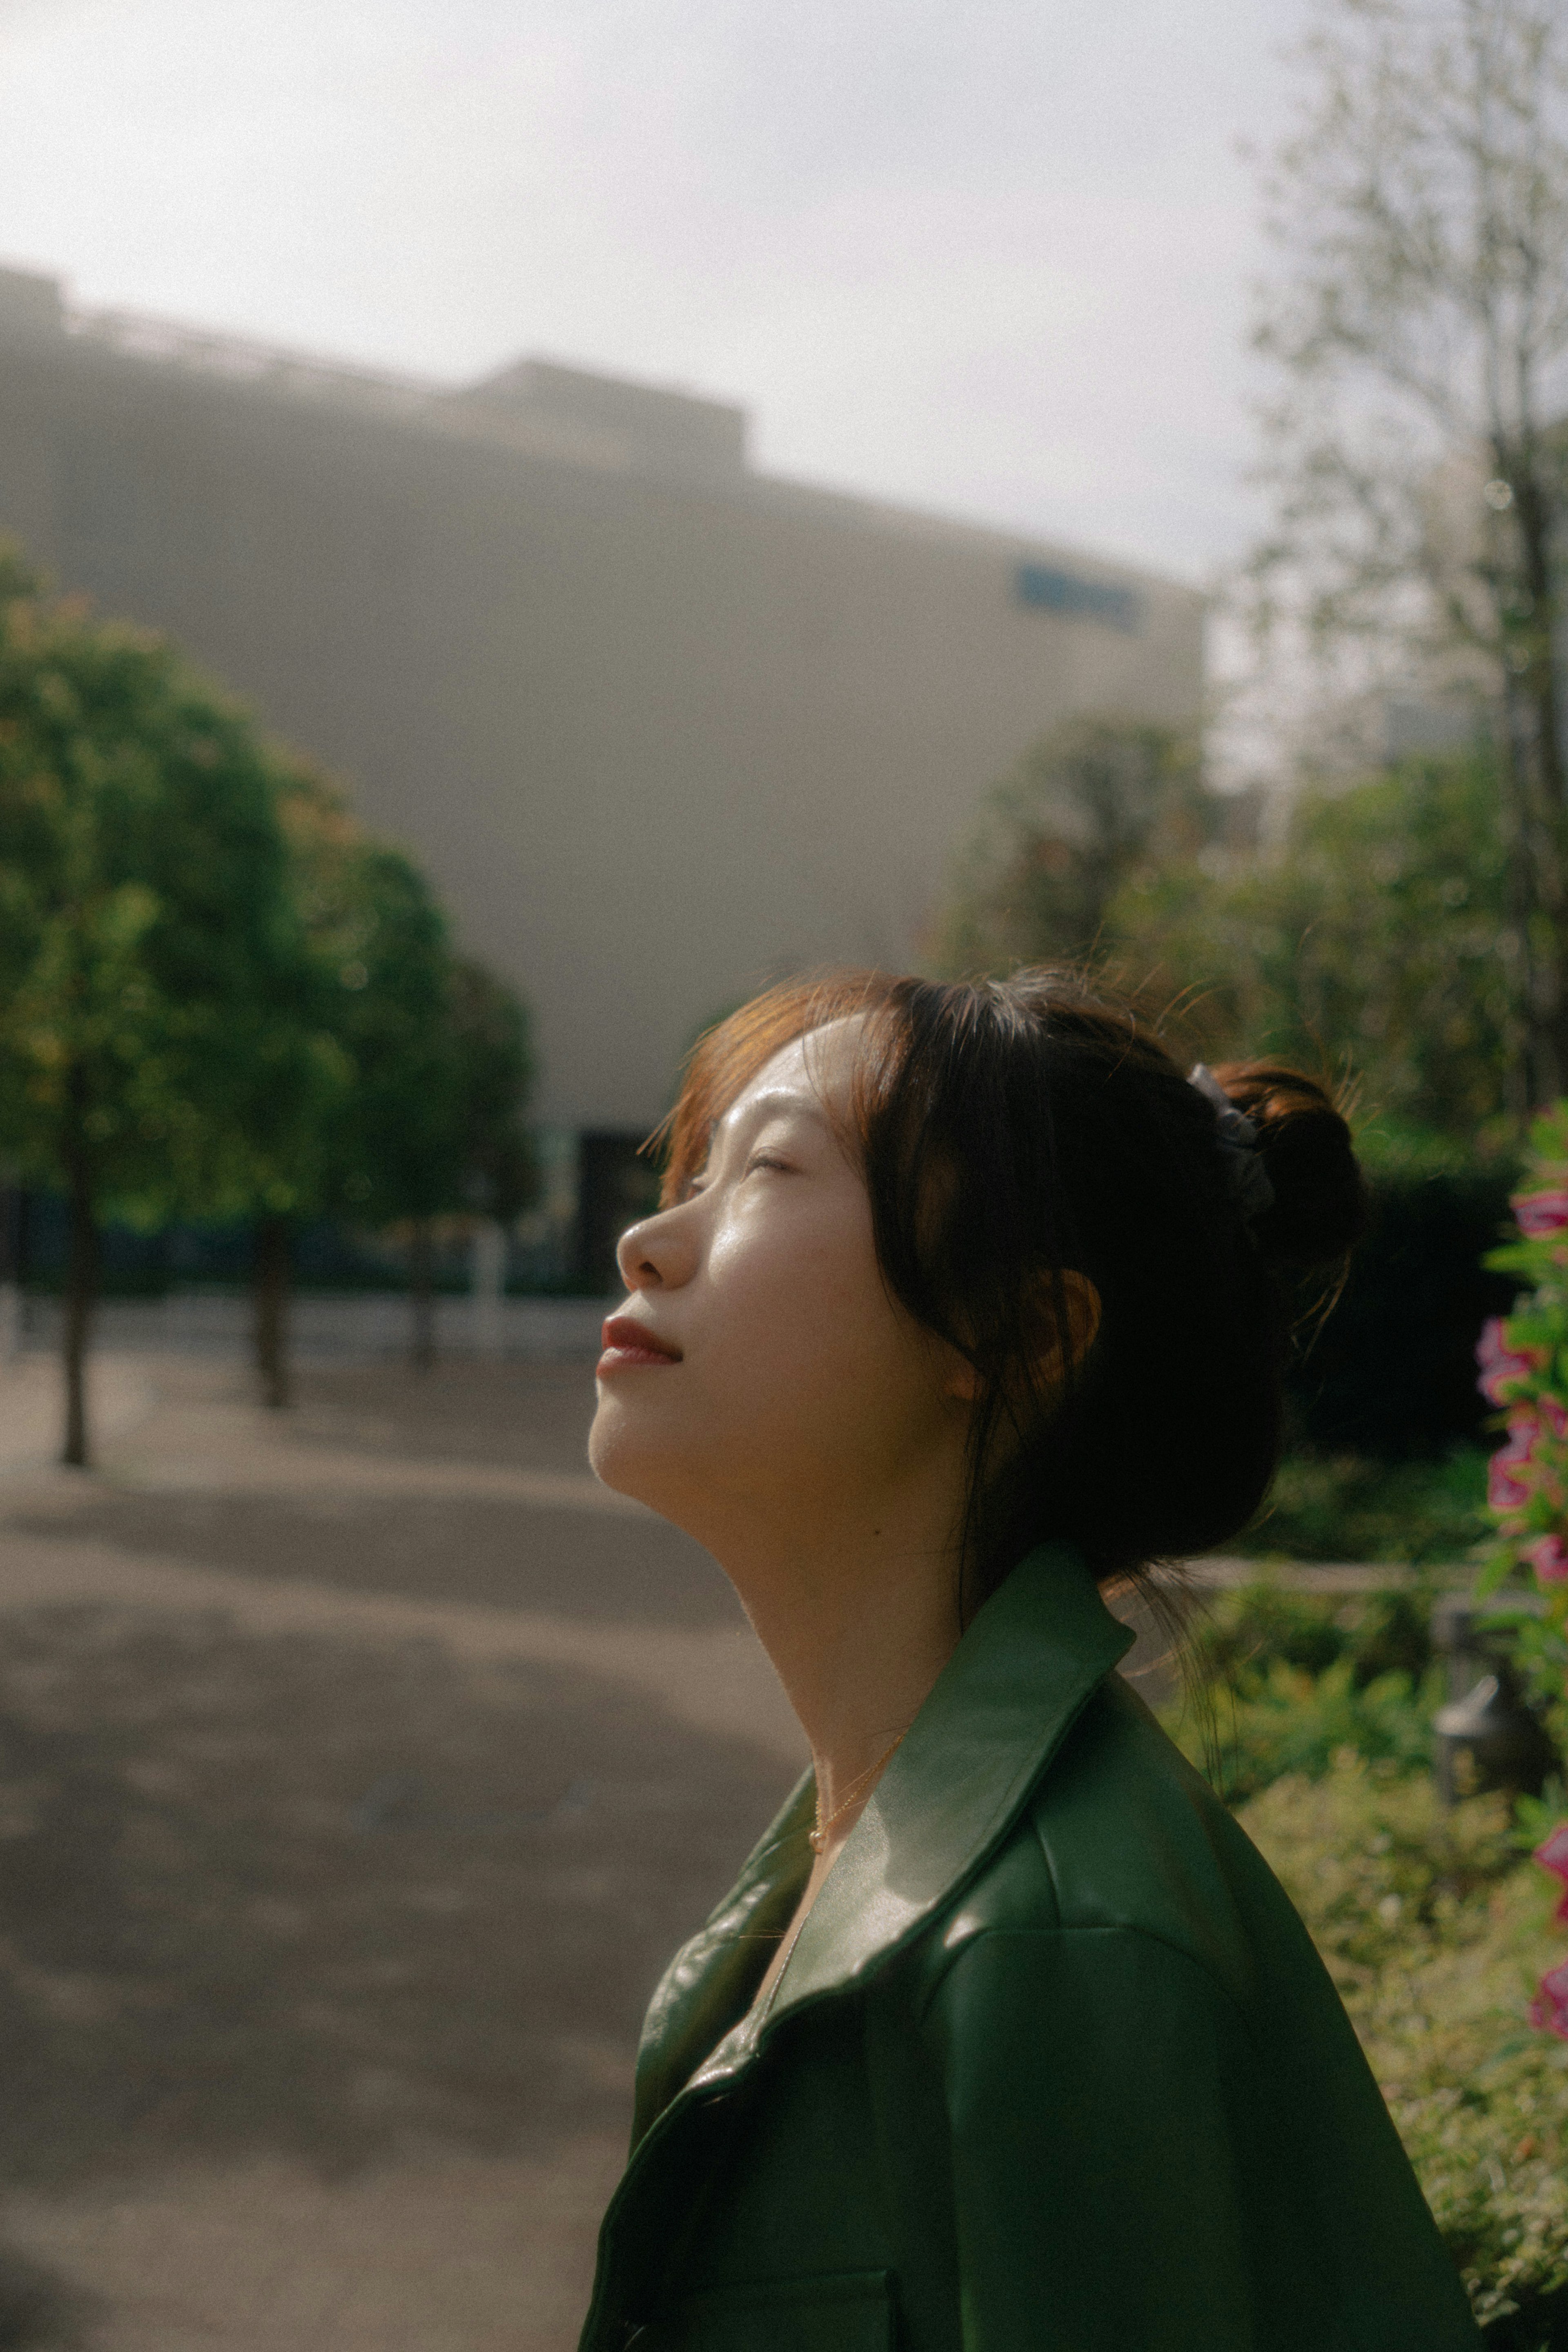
[(697, 1185)]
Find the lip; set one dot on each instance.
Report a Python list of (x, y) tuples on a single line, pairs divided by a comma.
[(629, 1345)]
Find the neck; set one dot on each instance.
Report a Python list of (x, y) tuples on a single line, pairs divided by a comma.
[(859, 1619)]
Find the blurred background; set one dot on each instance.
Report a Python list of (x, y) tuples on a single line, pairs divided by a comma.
[(517, 527)]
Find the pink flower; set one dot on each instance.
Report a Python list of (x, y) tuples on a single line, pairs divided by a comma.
[(1544, 1211), (1506, 1489), (1553, 1856), (1548, 1558), (1502, 1366), (1551, 1415), (1549, 2008)]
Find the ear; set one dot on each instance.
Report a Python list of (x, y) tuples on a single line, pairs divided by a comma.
[(1072, 1317), (1069, 1319)]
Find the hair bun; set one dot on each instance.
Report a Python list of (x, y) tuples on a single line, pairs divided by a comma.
[(1320, 1207)]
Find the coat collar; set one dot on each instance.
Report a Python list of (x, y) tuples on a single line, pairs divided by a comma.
[(997, 1715)]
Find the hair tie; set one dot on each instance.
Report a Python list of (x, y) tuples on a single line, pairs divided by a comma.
[(1237, 1139)]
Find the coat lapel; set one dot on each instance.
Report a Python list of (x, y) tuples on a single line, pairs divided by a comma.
[(712, 1976), (998, 1712)]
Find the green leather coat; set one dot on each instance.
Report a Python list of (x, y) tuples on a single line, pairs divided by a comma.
[(1053, 2066)]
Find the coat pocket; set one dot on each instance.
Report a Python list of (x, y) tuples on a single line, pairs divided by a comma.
[(840, 2311)]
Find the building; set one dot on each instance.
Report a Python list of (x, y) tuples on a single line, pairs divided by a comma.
[(658, 726)]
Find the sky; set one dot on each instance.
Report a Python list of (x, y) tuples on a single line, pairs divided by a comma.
[(986, 257)]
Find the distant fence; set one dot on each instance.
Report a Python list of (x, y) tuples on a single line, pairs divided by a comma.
[(325, 1326)]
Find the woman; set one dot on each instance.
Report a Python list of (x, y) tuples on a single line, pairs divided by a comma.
[(964, 1303)]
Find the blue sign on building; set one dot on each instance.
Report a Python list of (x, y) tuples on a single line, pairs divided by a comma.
[(1087, 600)]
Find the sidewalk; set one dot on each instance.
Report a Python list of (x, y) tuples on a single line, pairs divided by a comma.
[(121, 1392)]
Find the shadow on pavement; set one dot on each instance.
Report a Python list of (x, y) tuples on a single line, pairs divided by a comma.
[(564, 1563), (277, 1895)]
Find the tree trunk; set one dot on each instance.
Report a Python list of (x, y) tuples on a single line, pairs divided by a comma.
[(1531, 1054), (270, 1278), (1550, 1040), (1536, 508), (12, 1209), (81, 1273), (422, 1294), (1533, 751)]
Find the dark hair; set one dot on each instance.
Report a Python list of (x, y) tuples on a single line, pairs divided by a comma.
[(1012, 1131)]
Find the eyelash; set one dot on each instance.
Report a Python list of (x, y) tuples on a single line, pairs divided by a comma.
[(759, 1159)]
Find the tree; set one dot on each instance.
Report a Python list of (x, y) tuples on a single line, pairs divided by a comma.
[(1094, 804), (435, 1055), (1418, 321), (492, 1169), (1365, 943), (376, 975), (1368, 946), (147, 937)]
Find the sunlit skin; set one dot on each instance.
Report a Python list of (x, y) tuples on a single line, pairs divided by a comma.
[(763, 1389)]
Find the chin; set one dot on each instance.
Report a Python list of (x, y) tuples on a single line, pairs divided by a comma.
[(625, 1457), (629, 1453)]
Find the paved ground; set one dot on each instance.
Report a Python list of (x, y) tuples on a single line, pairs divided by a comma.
[(358, 1769)]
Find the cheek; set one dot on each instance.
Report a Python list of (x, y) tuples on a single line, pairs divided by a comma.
[(807, 1353), (784, 1290)]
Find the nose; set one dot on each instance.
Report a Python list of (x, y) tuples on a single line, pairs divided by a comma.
[(659, 1253)]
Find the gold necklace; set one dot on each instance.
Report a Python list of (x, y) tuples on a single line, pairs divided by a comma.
[(818, 1838)]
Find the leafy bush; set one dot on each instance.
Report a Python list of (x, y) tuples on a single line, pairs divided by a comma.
[(1284, 1682), (1434, 1925), (1351, 1506), (1434, 1929), (1301, 1724), (1243, 1634)]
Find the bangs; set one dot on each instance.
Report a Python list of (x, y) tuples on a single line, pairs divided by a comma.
[(724, 1062)]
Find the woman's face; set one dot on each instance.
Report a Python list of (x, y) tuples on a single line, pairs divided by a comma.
[(760, 1365)]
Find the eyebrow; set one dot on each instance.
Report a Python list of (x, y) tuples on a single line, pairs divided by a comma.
[(778, 1098), (795, 1099)]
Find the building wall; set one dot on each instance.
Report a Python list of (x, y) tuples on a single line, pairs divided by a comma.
[(659, 728)]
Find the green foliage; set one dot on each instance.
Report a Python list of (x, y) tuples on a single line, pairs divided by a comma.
[(1287, 1683), (150, 949), (383, 957), (1242, 1634), (1290, 1721), (1433, 1925), (1096, 804), (1374, 943), (219, 996), (1435, 1933), (495, 1068), (435, 1047), (1343, 1507)]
